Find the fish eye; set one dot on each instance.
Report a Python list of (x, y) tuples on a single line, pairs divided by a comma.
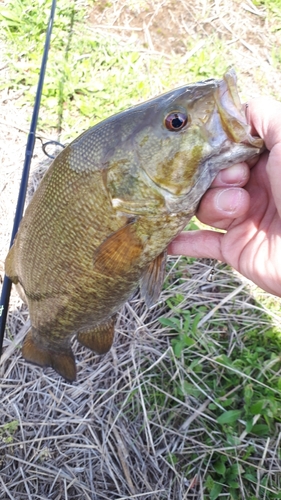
[(175, 121)]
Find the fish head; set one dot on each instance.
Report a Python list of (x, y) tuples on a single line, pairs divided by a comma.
[(190, 134), (166, 151)]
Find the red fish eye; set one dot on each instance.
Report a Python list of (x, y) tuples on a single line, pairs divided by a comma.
[(175, 121)]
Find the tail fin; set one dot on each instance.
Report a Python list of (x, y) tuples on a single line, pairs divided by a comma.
[(62, 361)]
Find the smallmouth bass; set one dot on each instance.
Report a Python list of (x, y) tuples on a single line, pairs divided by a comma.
[(99, 223)]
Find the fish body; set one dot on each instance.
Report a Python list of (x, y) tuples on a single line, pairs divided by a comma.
[(109, 205)]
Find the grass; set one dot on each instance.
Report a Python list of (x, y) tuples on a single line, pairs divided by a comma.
[(85, 79), (187, 403)]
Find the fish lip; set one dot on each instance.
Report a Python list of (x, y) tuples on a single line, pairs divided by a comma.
[(190, 91), (232, 113)]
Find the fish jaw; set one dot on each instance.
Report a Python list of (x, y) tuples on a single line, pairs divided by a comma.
[(232, 113)]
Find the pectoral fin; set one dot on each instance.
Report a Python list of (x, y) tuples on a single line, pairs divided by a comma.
[(152, 279), (62, 360), (99, 339), (119, 252)]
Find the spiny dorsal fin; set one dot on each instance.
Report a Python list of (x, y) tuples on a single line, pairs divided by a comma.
[(119, 252), (99, 338), (62, 361), (152, 279)]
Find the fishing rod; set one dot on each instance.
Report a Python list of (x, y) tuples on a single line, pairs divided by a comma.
[(7, 284)]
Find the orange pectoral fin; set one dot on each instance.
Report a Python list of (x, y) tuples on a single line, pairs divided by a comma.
[(62, 360), (152, 279), (119, 252)]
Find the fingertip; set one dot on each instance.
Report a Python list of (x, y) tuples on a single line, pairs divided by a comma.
[(236, 175), (263, 114), (219, 206), (229, 201)]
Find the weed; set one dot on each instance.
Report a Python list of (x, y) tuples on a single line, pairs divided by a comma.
[(238, 374), (94, 76), (8, 430)]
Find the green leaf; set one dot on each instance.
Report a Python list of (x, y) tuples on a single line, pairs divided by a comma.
[(229, 417), (257, 408), (249, 426), (215, 491), (220, 468), (248, 393), (260, 430), (224, 360), (212, 406), (279, 383), (234, 484), (209, 482), (250, 477), (178, 348), (194, 364), (171, 322), (186, 324), (233, 440), (196, 321), (234, 494), (190, 389), (187, 341)]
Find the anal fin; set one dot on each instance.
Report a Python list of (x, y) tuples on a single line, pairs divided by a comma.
[(62, 360), (99, 338), (152, 279)]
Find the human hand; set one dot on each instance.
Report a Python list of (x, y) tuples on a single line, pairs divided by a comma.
[(246, 203)]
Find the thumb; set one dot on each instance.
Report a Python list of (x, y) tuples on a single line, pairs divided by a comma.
[(264, 115), (273, 169)]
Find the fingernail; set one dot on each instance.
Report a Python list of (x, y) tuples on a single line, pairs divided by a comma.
[(228, 200), (234, 174)]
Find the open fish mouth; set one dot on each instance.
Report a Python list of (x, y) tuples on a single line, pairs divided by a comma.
[(231, 111)]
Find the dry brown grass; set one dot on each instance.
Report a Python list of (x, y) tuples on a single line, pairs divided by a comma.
[(106, 436)]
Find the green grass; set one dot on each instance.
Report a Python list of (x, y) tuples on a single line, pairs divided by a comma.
[(8, 430), (235, 366), (92, 76)]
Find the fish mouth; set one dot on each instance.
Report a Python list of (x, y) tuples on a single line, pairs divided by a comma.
[(232, 113)]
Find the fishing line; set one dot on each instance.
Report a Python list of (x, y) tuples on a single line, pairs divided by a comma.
[(7, 284), (50, 143)]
